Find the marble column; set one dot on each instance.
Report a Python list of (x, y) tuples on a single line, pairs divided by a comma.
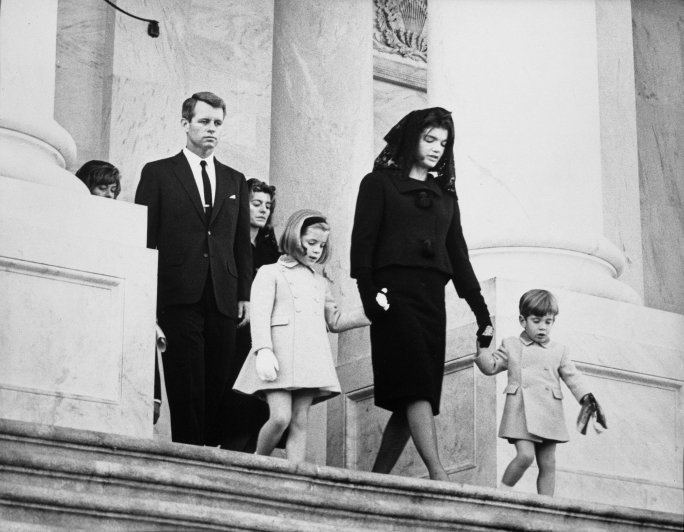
[(522, 80), (77, 284), (322, 129), (542, 94), (34, 147)]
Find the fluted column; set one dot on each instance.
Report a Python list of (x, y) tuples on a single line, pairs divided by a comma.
[(33, 146), (521, 77)]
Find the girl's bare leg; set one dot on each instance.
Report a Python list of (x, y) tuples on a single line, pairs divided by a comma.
[(394, 439), (296, 441), (280, 405), (421, 423), (546, 460), (520, 463)]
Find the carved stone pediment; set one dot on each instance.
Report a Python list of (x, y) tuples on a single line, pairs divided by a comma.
[(400, 28)]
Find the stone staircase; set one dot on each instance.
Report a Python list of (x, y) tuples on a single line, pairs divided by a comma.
[(56, 479)]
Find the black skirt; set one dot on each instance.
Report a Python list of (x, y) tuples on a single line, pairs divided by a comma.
[(408, 341)]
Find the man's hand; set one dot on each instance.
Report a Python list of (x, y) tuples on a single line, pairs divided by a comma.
[(267, 365), (243, 313)]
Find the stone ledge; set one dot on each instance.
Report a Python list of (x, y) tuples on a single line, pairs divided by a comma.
[(81, 480)]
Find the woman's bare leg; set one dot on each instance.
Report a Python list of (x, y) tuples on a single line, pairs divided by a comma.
[(394, 439), (280, 406), (520, 463), (546, 460), (296, 441), (421, 423)]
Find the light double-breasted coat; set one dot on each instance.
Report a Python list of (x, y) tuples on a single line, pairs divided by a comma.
[(292, 309), (534, 406)]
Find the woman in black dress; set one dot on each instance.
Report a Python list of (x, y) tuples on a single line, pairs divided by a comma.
[(247, 413), (407, 243)]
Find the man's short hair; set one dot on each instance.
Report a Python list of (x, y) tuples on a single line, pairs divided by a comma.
[(207, 97), (538, 303), (291, 239)]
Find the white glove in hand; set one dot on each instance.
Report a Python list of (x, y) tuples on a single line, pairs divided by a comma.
[(267, 365), (381, 299)]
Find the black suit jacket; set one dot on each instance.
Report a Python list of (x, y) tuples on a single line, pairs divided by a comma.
[(177, 228), (405, 222)]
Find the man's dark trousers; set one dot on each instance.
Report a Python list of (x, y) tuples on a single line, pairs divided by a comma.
[(196, 365)]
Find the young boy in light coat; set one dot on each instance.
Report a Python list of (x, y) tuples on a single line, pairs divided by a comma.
[(533, 418)]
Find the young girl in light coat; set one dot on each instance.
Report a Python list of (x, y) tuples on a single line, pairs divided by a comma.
[(292, 309), (533, 417)]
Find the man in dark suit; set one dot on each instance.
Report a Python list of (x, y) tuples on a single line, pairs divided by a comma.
[(198, 220)]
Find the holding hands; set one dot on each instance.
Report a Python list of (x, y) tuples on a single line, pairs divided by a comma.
[(267, 365)]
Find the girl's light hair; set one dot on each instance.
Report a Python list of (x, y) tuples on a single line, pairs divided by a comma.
[(291, 239), (538, 303)]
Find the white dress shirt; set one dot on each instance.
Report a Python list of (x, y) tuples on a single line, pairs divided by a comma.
[(196, 168)]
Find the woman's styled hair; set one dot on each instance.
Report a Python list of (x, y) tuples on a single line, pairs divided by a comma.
[(95, 173), (254, 186), (296, 227), (538, 303)]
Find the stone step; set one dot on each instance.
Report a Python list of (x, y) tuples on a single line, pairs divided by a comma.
[(79, 480)]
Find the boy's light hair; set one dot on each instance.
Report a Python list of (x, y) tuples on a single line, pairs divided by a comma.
[(291, 239), (538, 303)]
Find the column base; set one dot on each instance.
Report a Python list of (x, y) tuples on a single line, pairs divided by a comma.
[(77, 322)]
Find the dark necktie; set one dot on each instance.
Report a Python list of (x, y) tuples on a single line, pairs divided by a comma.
[(207, 191)]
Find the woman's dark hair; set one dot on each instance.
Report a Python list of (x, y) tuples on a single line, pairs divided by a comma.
[(435, 118), (95, 173), (399, 155), (266, 233)]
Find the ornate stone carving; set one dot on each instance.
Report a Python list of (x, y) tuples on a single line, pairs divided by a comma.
[(400, 28)]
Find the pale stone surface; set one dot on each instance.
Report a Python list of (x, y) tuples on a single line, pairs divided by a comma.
[(521, 79), (79, 480), (322, 130), (619, 154), (77, 325), (224, 47), (28, 131), (658, 59), (83, 76)]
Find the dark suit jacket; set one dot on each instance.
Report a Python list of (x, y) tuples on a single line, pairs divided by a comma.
[(391, 228), (177, 228)]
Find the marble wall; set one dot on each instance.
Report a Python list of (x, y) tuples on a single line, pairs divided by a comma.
[(119, 92), (659, 64)]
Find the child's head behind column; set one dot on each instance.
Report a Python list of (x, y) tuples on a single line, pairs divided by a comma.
[(538, 311), (306, 237)]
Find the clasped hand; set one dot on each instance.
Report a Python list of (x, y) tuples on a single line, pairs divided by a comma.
[(267, 365)]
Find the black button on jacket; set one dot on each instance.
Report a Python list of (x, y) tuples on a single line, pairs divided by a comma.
[(406, 222)]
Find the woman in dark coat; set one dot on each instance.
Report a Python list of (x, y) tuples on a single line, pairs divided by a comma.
[(407, 243), (247, 413)]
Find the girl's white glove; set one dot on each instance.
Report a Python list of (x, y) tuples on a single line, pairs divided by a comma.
[(381, 299), (267, 365)]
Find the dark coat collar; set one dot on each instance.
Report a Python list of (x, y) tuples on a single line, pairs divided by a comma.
[(404, 185)]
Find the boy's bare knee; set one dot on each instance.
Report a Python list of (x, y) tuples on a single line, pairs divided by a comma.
[(546, 462), (525, 458)]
